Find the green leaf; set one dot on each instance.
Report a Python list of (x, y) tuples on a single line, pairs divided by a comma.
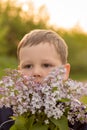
[(56, 128), (83, 99), (61, 123), (13, 127), (39, 126), (20, 123), (13, 117), (64, 100), (30, 122), (54, 89)]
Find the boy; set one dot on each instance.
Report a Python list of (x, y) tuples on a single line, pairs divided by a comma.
[(39, 52)]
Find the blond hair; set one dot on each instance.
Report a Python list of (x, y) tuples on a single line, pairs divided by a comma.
[(38, 36)]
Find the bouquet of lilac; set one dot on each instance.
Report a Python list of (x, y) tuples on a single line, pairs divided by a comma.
[(49, 105)]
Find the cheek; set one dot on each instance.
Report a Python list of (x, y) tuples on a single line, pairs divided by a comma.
[(46, 72), (25, 72)]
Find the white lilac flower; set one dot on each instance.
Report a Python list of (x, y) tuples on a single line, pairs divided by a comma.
[(8, 81), (54, 97), (46, 121)]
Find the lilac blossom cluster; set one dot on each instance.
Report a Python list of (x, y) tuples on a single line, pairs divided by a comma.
[(54, 96)]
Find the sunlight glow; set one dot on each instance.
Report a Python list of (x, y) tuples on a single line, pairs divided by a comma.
[(25, 7), (63, 13)]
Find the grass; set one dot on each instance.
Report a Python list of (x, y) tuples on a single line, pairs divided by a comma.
[(79, 76), (7, 62)]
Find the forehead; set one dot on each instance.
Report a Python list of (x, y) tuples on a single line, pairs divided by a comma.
[(40, 50)]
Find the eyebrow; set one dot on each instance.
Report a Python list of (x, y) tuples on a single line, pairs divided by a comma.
[(47, 60), (25, 62)]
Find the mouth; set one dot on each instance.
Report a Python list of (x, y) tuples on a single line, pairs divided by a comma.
[(38, 80)]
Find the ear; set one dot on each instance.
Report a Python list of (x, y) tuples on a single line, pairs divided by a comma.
[(18, 67), (67, 66)]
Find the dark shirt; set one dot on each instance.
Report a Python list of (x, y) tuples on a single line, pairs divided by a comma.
[(5, 113), (78, 126)]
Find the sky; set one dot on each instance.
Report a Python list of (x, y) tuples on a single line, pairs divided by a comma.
[(65, 13)]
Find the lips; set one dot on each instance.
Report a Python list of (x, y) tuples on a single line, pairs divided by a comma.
[(38, 79)]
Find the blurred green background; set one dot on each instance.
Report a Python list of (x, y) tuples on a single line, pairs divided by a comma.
[(15, 23)]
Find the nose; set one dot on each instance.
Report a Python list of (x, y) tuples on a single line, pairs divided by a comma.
[(37, 73)]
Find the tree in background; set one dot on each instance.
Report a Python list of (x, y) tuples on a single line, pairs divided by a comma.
[(15, 23), (77, 44)]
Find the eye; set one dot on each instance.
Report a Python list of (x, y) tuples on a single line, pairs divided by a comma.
[(28, 66), (47, 65)]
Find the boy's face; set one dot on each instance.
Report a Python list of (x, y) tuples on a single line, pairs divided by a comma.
[(39, 60)]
